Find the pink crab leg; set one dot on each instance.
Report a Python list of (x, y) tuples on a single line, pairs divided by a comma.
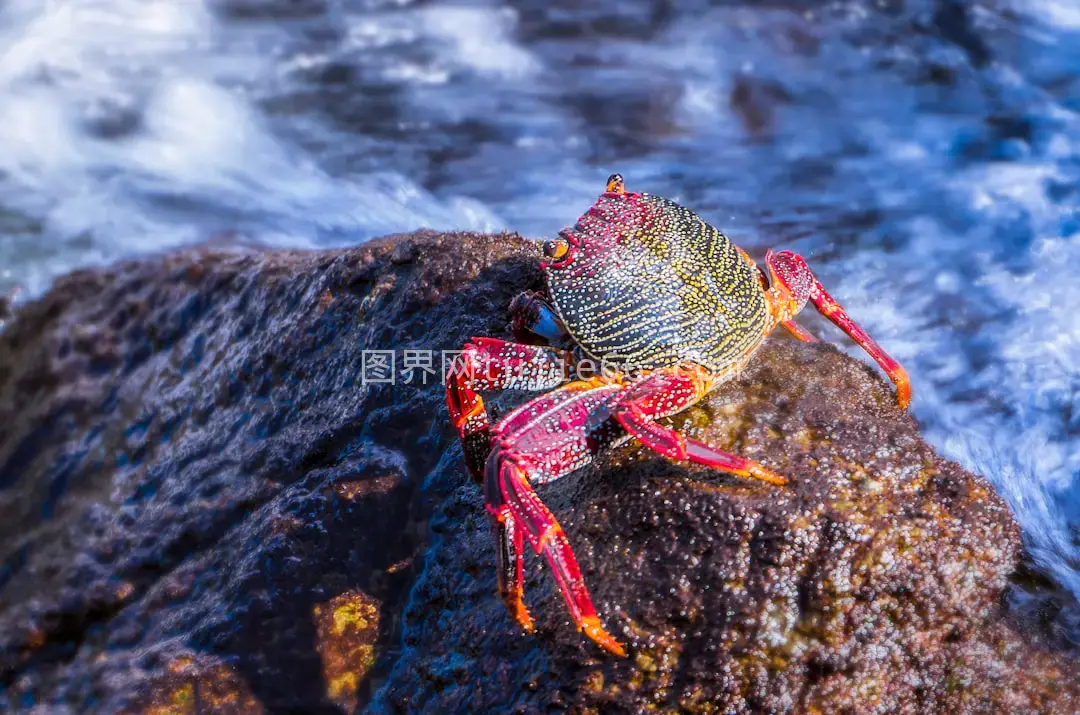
[(509, 563), (669, 391), (544, 440), (794, 284), (490, 364), (547, 538)]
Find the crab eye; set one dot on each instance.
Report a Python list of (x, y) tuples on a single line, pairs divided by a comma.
[(615, 184), (555, 249)]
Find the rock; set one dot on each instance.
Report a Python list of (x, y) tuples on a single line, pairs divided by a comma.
[(205, 507), (194, 480), (873, 583)]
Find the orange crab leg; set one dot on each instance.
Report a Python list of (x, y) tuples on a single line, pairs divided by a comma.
[(794, 283), (799, 331), (541, 441), (490, 364), (670, 391)]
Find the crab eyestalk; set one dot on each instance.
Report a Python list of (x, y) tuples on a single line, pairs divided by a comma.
[(794, 284), (556, 250), (615, 184)]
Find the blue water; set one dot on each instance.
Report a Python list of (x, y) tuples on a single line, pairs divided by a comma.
[(922, 155)]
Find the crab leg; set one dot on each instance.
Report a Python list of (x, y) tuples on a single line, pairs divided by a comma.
[(799, 331), (541, 441), (490, 364), (510, 562), (794, 284), (667, 392)]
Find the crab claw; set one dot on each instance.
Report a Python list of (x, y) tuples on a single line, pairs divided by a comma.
[(794, 284)]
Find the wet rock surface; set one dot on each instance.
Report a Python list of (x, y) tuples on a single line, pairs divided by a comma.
[(204, 507), (872, 583), (190, 465)]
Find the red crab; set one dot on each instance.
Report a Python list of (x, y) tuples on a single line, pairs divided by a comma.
[(648, 288)]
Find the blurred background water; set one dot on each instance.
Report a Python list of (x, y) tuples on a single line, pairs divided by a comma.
[(923, 154)]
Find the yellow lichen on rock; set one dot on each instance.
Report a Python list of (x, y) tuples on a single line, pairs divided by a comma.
[(347, 628), (197, 683)]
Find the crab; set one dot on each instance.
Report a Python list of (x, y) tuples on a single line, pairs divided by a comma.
[(661, 308)]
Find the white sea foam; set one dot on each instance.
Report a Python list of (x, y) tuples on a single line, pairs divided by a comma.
[(1060, 13), (126, 130), (481, 40)]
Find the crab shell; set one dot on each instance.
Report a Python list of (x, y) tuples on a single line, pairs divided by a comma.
[(646, 283)]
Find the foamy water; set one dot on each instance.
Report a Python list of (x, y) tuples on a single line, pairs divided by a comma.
[(926, 165), (130, 126)]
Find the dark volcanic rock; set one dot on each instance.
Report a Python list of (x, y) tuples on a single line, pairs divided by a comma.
[(205, 509), (873, 583), (194, 480)]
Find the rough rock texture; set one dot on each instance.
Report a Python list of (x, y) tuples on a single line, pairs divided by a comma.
[(873, 583), (189, 463), (203, 509)]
